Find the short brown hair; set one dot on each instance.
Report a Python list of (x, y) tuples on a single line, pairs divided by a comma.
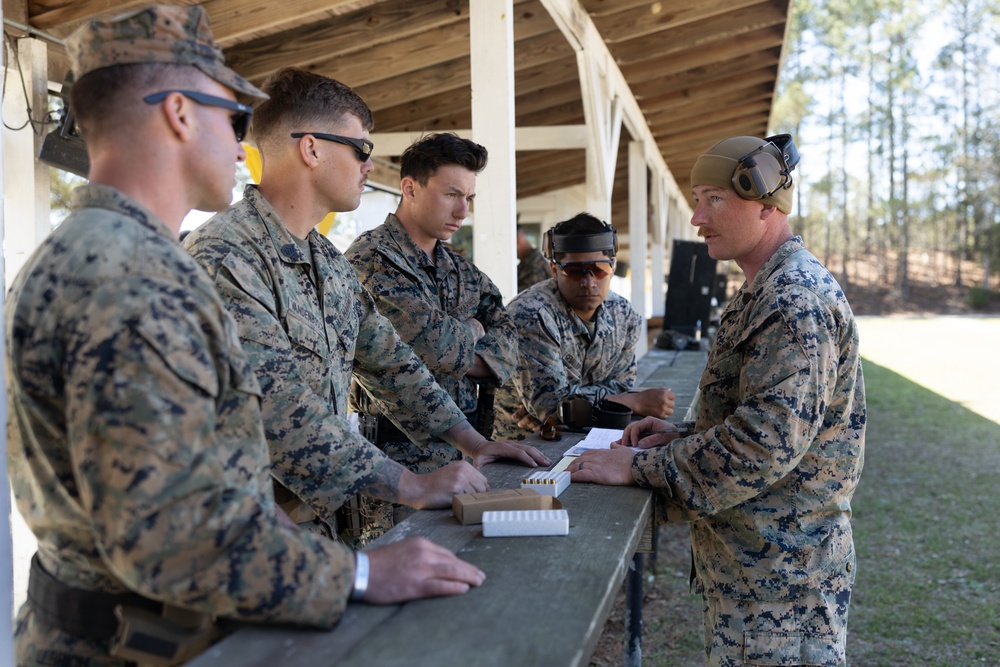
[(107, 99), (301, 101), (422, 159)]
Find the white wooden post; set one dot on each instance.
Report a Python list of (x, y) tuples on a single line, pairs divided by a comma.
[(602, 111), (6, 547), (26, 184), (638, 220), (656, 246), (491, 46)]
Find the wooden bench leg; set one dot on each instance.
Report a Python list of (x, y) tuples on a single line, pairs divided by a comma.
[(633, 613)]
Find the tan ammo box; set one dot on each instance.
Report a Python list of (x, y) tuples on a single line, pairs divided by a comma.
[(469, 507)]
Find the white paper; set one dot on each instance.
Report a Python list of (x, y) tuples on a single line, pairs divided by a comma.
[(598, 438)]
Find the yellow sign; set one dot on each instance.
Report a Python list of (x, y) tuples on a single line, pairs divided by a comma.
[(256, 167)]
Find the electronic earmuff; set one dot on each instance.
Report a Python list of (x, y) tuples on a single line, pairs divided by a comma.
[(767, 169), (553, 243)]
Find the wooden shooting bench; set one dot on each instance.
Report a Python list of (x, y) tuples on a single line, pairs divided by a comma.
[(545, 600)]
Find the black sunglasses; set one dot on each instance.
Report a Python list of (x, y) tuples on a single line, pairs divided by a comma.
[(362, 147), (241, 112), (577, 270)]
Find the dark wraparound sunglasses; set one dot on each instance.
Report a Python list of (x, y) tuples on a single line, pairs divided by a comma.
[(362, 147), (577, 270), (241, 112)]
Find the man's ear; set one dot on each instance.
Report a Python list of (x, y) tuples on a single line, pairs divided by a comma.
[(768, 211), (407, 186), (178, 111), (306, 149)]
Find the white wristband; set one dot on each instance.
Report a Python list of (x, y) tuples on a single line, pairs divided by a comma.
[(360, 575)]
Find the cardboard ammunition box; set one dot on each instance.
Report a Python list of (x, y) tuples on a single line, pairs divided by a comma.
[(469, 507)]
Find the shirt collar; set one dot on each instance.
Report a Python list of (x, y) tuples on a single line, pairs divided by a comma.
[(284, 243), (103, 196), (413, 253)]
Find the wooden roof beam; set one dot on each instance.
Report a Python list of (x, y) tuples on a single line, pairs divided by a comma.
[(669, 96), (719, 31), (667, 135), (654, 17), (652, 86), (707, 56), (356, 34)]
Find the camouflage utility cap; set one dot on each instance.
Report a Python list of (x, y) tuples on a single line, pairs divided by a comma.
[(157, 34)]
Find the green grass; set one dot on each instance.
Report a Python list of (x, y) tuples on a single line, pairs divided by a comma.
[(927, 530), (926, 520)]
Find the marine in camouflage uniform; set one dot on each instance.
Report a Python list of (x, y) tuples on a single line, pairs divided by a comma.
[(136, 448), (767, 479), (575, 336), (427, 301), (305, 342), (136, 451), (559, 356)]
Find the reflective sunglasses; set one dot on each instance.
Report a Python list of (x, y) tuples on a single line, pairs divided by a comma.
[(362, 147), (241, 112), (577, 270)]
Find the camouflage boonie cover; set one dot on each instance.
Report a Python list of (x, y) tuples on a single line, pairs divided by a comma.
[(427, 305), (768, 479), (305, 343), (558, 358), (532, 269), (135, 446)]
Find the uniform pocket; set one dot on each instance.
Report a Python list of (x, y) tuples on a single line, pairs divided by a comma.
[(172, 339), (302, 333), (792, 648)]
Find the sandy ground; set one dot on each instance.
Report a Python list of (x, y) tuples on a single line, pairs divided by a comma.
[(955, 356)]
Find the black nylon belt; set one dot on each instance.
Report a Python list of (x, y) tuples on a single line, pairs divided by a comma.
[(83, 613)]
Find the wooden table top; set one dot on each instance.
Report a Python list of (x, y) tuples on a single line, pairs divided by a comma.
[(545, 599)]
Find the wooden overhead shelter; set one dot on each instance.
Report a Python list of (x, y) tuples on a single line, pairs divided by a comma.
[(600, 105), (581, 80)]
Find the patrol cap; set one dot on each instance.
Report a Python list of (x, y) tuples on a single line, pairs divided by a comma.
[(157, 34), (756, 169)]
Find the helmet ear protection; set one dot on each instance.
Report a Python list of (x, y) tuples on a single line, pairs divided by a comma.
[(767, 169), (604, 241)]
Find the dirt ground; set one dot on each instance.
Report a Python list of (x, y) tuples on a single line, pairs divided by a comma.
[(923, 300)]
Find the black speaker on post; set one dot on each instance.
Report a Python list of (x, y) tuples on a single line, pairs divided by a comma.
[(690, 288)]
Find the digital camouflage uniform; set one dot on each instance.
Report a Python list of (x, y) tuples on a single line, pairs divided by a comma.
[(135, 445), (767, 480), (305, 343), (557, 357), (428, 305), (533, 268)]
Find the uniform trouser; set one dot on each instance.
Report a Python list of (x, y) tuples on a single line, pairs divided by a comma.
[(37, 644), (808, 631)]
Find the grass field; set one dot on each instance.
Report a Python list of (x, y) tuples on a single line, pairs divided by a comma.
[(926, 516)]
